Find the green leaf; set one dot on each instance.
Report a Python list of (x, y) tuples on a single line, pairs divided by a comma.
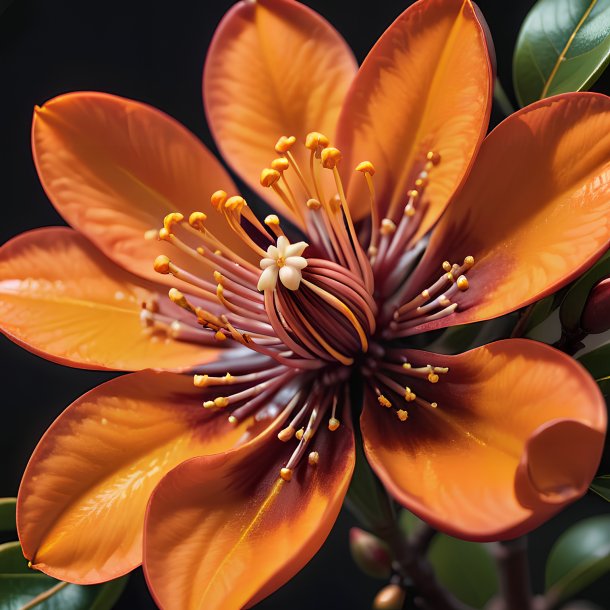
[(575, 299), (579, 557), (467, 569), (601, 486), (19, 585), (597, 362), (8, 507), (563, 45)]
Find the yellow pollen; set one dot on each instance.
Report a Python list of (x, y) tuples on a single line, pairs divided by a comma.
[(170, 220), (200, 381), (161, 264), (331, 157), (333, 424), (299, 433), (273, 222), (197, 220), (406, 365), (366, 167), (164, 234), (30, 565), (286, 474), (208, 404), (269, 177), (177, 297), (387, 226), (383, 401), (313, 458), (462, 283), (315, 140), (218, 277), (450, 277), (151, 234), (447, 266), (220, 336), (434, 405), (221, 401), (433, 378), (217, 199), (232, 419), (402, 415), (286, 434), (313, 204), (409, 396), (434, 157), (280, 164), (235, 203), (284, 144), (469, 261), (280, 262)]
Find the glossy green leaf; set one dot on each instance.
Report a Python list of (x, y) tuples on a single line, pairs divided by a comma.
[(19, 585), (579, 557), (575, 299), (467, 569), (601, 486), (8, 506), (597, 362), (563, 45)]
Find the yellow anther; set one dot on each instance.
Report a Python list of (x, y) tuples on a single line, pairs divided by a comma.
[(269, 176), (272, 221), (30, 565), (383, 401), (218, 277), (200, 381), (221, 402), (406, 365), (197, 220), (220, 336), (402, 415), (161, 264), (164, 234), (433, 378), (217, 199), (425, 294), (366, 167), (313, 458), (462, 283), (331, 157), (299, 433), (387, 227), (232, 419), (313, 204), (409, 396), (333, 424), (434, 157), (175, 296), (413, 194), (284, 144), (208, 404), (235, 203), (280, 164), (450, 277), (286, 474), (216, 252), (228, 378), (447, 266), (151, 234), (171, 219), (434, 405), (315, 140), (335, 202), (421, 183), (286, 434), (409, 210), (469, 261)]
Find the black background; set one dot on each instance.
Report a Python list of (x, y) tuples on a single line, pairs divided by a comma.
[(154, 52)]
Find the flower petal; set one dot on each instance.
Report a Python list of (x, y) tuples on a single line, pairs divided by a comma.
[(65, 301), (290, 277), (425, 86), (268, 278), (274, 68), (518, 433), (225, 531), (83, 496), (535, 211), (114, 168)]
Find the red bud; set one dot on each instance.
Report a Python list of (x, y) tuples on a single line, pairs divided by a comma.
[(370, 553), (596, 315)]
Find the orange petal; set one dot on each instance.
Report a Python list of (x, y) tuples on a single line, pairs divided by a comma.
[(114, 168), (65, 301), (274, 68), (535, 211), (225, 531), (496, 458), (84, 493), (425, 86)]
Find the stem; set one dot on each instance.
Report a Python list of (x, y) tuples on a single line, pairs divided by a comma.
[(524, 318), (501, 98), (513, 568), (45, 595), (422, 537), (570, 343), (410, 564)]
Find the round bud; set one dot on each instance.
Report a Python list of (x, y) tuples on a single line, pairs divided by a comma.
[(596, 314), (370, 553), (391, 597)]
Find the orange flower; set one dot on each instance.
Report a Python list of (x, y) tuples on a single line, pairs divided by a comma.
[(244, 489)]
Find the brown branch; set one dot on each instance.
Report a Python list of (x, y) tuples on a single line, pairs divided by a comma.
[(513, 570)]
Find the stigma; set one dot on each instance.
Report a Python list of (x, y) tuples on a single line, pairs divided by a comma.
[(284, 261)]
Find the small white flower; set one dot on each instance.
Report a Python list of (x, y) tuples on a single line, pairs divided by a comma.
[(284, 259)]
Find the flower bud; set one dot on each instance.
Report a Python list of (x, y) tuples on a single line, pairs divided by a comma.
[(391, 597), (370, 554), (596, 314)]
